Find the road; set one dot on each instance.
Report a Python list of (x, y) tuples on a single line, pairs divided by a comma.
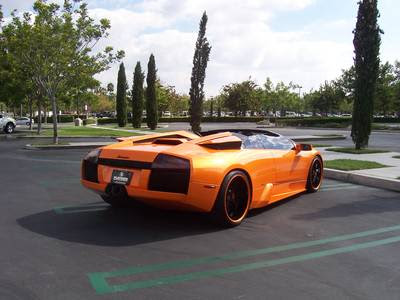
[(60, 241)]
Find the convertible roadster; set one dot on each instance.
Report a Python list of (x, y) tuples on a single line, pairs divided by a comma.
[(224, 172)]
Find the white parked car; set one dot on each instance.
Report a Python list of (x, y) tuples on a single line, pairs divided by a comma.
[(7, 124), (24, 121)]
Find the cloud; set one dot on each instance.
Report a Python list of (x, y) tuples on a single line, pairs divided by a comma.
[(243, 43)]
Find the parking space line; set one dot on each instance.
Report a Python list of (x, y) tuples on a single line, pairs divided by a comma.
[(347, 187), (244, 267), (99, 279)]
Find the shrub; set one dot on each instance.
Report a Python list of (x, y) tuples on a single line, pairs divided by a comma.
[(89, 121), (186, 119), (314, 122), (62, 118)]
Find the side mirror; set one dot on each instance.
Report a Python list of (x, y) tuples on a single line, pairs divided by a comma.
[(303, 147)]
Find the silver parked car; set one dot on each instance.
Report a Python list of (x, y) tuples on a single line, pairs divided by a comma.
[(24, 121), (7, 124)]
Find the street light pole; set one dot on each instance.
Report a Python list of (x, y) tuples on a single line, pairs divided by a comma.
[(299, 87)]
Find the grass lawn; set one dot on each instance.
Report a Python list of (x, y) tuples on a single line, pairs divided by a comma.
[(354, 151), (131, 128), (86, 131), (351, 164), (328, 135), (321, 145)]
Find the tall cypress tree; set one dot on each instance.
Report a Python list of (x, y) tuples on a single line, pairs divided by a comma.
[(366, 42), (200, 60), (151, 96), (121, 96), (137, 96)]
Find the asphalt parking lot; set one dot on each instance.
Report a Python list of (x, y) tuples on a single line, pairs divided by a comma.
[(60, 241)]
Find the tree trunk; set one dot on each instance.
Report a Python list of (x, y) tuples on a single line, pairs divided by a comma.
[(30, 112), (45, 112), (54, 108), (20, 112), (39, 125)]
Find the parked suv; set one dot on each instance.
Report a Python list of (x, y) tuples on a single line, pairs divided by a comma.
[(7, 124)]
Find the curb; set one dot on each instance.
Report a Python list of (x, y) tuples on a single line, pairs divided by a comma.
[(317, 138), (372, 181), (63, 147)]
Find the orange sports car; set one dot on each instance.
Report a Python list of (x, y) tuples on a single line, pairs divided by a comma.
[(224, 172)]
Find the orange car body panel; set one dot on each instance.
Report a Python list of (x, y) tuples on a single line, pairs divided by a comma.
[(274, 174)]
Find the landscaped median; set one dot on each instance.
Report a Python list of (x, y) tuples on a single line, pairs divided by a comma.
[(82, 131), (370, 167)]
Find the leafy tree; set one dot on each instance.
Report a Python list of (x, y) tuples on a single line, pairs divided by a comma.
[(137, 96), (396, 103), (280, 97), (151, 96), (385, 89), (241, 97), (121, 96), (366, 44), (200, 60), (163, 97), (54, 44), (103, 102)]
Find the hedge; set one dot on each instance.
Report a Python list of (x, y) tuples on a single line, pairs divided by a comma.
[(186, 119), (61, 118), (327, 121), (89, 121), (313, 121)]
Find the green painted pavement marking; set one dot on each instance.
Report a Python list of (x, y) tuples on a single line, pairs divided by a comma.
[(80, 208), (337, 185), (99, 279), (347, 187), (239, 268)]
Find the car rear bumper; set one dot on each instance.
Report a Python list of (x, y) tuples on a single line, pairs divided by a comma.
[(200, 196)]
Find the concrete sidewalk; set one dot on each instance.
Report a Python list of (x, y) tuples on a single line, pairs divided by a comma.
[(381, 177)]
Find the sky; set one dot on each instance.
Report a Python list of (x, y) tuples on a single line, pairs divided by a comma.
[(303, 41)]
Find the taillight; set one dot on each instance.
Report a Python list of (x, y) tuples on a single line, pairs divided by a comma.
[(170, 174), (89, 165)]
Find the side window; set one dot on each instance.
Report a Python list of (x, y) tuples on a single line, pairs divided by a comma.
[(261, 141)]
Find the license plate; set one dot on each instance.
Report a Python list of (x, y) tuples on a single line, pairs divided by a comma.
[(121, 177)]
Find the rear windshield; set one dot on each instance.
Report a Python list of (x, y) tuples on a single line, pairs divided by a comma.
[(262, 141)]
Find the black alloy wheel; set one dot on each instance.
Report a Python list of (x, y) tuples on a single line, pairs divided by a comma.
[(233, 200), (315, 175)]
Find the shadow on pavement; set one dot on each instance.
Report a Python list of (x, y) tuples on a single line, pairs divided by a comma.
[(106, 226)]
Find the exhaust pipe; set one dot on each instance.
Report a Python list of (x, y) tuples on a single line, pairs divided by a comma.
[(116, 191)]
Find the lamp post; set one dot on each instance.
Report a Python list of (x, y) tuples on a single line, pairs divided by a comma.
[(299, 87)]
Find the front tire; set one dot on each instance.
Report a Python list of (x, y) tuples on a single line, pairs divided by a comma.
[(314, 179), (233, 200)]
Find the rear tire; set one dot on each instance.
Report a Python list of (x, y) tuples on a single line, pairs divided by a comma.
[(9, 128), (233, 200), (314, 179)]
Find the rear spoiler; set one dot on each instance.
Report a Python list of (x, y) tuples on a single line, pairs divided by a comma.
[(151, 137), (229, 142)]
